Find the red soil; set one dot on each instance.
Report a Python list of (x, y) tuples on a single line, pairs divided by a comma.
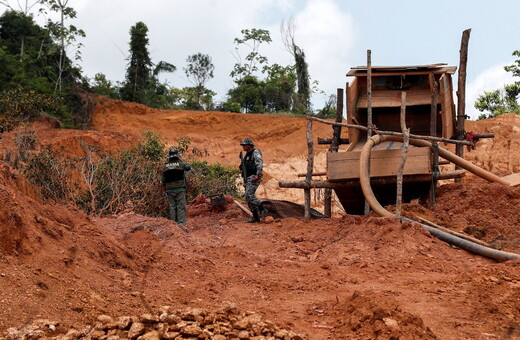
[(349, 277)]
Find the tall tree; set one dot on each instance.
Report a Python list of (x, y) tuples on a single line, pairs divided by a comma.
[(301, 67), (66, 35), (199, 70), (252, 39), (139, 67), (505, 100)]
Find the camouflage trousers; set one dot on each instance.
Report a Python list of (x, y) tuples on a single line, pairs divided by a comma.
[(177, 204), (250, 188)]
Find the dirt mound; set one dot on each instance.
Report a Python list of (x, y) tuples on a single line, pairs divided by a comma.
[(488, 211), (500, 154), (368, 315), (51, 257)]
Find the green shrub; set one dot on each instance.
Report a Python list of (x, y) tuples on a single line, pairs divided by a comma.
[(210, 179), (19, 105)]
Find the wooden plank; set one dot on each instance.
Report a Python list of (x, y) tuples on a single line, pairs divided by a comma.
[(440, 70), (392, 98), (447, 113), (403, 67), (345, 165)]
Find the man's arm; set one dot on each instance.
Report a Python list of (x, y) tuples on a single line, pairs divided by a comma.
[(259, 163)]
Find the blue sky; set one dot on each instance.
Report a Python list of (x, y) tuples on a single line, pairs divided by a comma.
[(334, 34)]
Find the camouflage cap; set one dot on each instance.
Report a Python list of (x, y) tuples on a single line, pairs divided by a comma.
[(247, 141)]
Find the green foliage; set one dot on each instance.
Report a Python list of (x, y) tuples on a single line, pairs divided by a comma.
[(252, 39), (142, 83), (29, 56), (139, 67), (504, 100), (279, 88), (230, 106), (210, 179), (248, 94), (329, 109), (302, 72), (104, 87), (192, 98), (50, 174), (199, 70), (19, 105)]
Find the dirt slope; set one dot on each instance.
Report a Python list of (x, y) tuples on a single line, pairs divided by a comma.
[(343, 278)]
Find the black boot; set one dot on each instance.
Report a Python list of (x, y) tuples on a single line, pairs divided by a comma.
[(255, 218), (262, 211)]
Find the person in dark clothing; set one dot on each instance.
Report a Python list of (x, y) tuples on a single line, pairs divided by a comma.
[(251, 167), (174, 185)]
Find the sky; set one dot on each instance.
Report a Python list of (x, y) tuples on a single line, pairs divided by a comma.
[(334, 34)]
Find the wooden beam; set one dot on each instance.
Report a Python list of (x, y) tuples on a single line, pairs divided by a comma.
[(324, 173), (392, 133), (355, 182), (322, 140)]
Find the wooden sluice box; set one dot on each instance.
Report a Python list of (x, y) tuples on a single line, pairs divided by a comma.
[(430, 111)]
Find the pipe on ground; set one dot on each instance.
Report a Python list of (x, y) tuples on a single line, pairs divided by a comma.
[(364, 179), (467, 245)]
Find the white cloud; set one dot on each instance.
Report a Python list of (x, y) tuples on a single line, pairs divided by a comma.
[(491, 79)]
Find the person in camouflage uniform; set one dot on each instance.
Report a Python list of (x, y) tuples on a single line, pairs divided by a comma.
[(174, 185), (251, 167)]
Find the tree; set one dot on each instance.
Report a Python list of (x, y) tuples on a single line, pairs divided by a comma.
[(278, 93), (32, 64), (248, 94), (252, 38), (142, 83), (139, 67), (66, 35), (104, 87), (199, 70), (505, 100), (302, 69)]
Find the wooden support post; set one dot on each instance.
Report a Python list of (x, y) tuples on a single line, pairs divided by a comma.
[(406, 141), (435, 172), (433, 114), (369, 109), (336, 138), (310, 166), (461, 91)]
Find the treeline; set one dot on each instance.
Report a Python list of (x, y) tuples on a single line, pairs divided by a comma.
[(40, 70)]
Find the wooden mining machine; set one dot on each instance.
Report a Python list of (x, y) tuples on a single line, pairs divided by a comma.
[(382, 102)]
